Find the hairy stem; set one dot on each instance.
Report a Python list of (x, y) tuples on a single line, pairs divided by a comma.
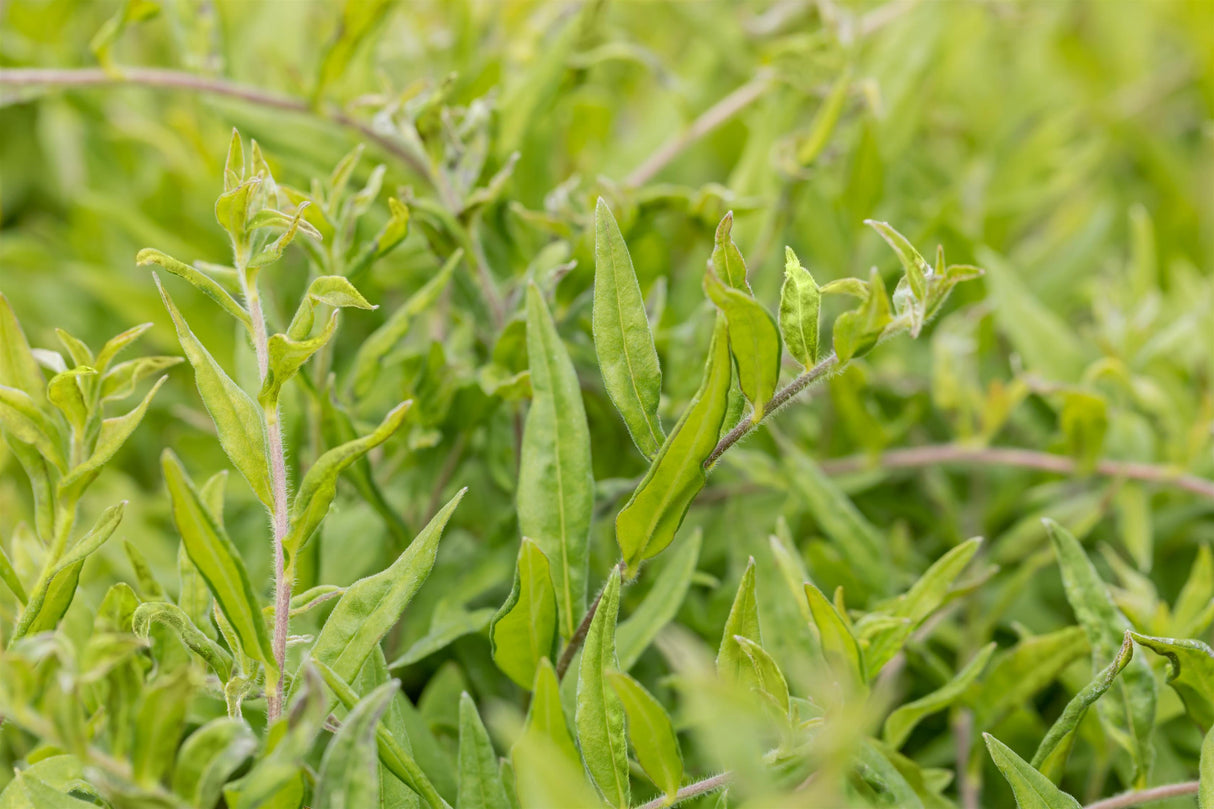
[(279, 518), (691, 791), (579, 635), (782, 397), (209, 85), (1146, 796), (940, 454)]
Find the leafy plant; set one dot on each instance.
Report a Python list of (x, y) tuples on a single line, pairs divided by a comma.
[(548, 521)]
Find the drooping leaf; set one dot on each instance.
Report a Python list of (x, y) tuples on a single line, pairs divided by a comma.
[(199, 280), (800, 305), (901, 722), (600, 714), (556, 487), (1191, 673), (238, 419), (480, 780), (1032, 789), (349, 777), (523, 631), (319, 485), (1130, 716), (1055, 746), (172, 616), (218, 561), (660, 604), (651, 732), (649, 520)]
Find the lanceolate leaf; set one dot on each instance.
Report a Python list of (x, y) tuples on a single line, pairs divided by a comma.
[(209, 757), (113, 434), (661, 603), (727, 263), (64, 392), (548, 769), (902, 721), (349, 777), (648, 522), (1130, 715), (800, 305), (762, 674), (372, 606), (651, 732), (22, 419), (743, 621), (18, 368), (546, 716), (523, 631), (623, 341), (319, 486), (927, 594), (1032, 789), (480, 780), (600, 715), (754, 340), (1191, 673), (556, 487), (839, 646), (1054, 748), (286, 355), (218, 561), (238, 419), (204, 283)]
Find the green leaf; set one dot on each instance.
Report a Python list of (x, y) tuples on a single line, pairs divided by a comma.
[(661, 604), (160, 723), (857, 331), (825, 120), (1205, 787), (839, 647), (1018, 674), (623, 341), (1032, 789), (649, 520), (726, 262), (555, 487), (8, 575), (600, 714), (914, 265), (64, 393), (359, 22), (800, 306), (547, 767), (117, 343), (238, 420), (546, 717), (1191, 673), (199, 280), (209, 757), (371, 353), (932, 588), (131, 11), (901, 722), (392, 752), (18, 368), (113, 434), (319, 485), (762, 674), (218, 561), (652, 734), (1084, 421), (53, 594), (21, 418), (1130, 716), (333, 290), (754, 340), (43, 796), (285, 356), (370, 607), (743, 621), (175, 618), (1055, 747), (480, 780), (120, 381), (349, 776), (523, 631), (448, 625), (877, 767)]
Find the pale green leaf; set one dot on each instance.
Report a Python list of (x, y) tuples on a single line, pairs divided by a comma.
[(209, 757), (18, 368), (800, 306), (661, 604), (754, 341), (1032, 789), (652, 734), (600, 714), (523, 631), (1191, 673), (199, 280), (113, 434), (901, 722), (743, 621), (172, 616), (349, 777), (480, 780), (839, 646)]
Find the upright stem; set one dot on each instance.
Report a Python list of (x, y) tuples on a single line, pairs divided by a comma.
[(279, 518)]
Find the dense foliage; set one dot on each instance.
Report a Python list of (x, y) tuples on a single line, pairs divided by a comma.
[(731, 403)]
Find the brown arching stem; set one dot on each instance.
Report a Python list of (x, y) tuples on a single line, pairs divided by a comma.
[(691, 791), (1141, 796)]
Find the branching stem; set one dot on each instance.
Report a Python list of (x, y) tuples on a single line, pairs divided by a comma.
[(1142, 796)]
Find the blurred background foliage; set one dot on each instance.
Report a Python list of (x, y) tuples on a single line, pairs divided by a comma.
[(1066, 147)]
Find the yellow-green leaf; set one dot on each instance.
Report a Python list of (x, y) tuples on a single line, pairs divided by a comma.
[(652, 734), (523, 632), (800, 306), (1032, 789), (600, 714)]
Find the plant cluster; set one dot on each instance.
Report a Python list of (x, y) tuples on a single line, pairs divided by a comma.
[(552, 520)]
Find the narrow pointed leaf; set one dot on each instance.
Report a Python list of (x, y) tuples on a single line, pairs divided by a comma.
[(652, 734), (238, 419), (903, 720), (762, 674), (523, 632), (1032, 789), (113, 434), (839, 646), (623, 340), (199, 280), (480, 779), (743, 621), (172, 616), (22, 419), (754, 340), (349, 777), (18, 368), (218, 561), (556, 487), (726, 262), (648, 522), (800, 307), (600, 715)]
